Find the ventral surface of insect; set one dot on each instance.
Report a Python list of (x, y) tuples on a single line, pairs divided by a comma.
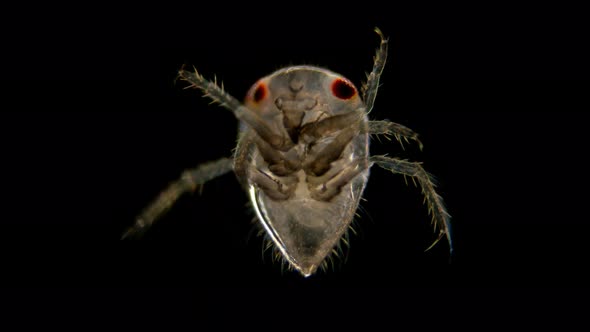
[(303, 158)]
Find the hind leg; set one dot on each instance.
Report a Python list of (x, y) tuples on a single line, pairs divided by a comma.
[(436, 207), (189, 181)]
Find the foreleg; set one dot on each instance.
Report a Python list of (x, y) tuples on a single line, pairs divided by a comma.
[(369, 89), (217, 94)]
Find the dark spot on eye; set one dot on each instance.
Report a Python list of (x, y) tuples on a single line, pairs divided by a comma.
[(343, 89), (260, 92)]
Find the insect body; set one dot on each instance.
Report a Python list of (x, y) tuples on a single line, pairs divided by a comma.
[(303, 158)]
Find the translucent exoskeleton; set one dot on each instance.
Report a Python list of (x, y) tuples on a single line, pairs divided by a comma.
[(303, 158)]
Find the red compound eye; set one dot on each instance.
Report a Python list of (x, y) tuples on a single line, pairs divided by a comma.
[(259, 93), (343, 89)]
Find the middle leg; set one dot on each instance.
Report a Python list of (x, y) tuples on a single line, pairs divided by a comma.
[(386, 128)]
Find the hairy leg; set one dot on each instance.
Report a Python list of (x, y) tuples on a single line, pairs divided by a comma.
[(436, 207), (369, 89), (387, 128), (217, 94), (189, 181)]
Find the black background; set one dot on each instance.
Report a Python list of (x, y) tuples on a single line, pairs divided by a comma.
[(94, 126)]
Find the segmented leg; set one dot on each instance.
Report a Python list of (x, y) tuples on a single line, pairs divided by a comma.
[(328, 188), (369, 89), (331, 152), (276, 188), (189, 181), (217, 94), (314, 130), (386, 128), (436, 207)]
